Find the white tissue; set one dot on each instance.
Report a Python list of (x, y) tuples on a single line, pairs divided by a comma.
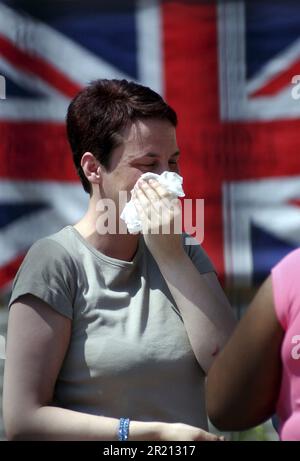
[(170, 180)]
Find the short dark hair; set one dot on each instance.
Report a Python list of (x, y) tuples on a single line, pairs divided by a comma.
[(100, 111)]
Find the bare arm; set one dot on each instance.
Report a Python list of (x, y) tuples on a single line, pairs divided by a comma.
[(206, 313), (243, 383), (37, 341)]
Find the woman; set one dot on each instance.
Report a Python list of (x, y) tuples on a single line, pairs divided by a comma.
[(258, 372), (110, 335)]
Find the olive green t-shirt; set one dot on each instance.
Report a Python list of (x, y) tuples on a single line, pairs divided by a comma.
[(129, 353)]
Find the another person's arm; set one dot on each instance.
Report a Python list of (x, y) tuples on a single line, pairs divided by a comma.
[(37, 341), (243, 382)]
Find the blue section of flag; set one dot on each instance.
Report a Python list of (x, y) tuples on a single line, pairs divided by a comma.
[(267, 251), (15, 90), (110, 35), (99, 27), (11, 212), (104, 34), (270, 28)]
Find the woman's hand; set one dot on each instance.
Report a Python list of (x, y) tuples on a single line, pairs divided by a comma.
[(184, 432), (161, 218), (168, 432)]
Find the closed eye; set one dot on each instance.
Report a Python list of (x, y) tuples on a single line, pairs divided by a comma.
[(153, 164)]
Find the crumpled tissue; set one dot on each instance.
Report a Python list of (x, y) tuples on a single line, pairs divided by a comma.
[(170, 180)]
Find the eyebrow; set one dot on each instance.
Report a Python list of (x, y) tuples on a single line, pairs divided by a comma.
[(155, 155)]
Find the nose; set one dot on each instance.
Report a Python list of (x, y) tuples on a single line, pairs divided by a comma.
[(163, 166)]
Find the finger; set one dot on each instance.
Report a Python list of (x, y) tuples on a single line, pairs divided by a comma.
[(158, 196), (151, 204), (208, 436), (149, 193), (145, 208), (160, 189), (161, 212), (137, 201), (149, 216), (141, 213), (167, 198), (166, 218)]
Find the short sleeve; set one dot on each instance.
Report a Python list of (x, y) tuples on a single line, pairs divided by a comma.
[(286, 287), (197, 254), (47, 273)]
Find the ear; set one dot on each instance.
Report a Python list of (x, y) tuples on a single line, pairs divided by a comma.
[(91, 168)]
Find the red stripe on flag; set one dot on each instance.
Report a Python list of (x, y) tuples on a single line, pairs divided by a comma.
[(37, 66), (215, 152), (191, 86), (235, 151), (38, 151), (8, 272), (278, 82), (294, 202)]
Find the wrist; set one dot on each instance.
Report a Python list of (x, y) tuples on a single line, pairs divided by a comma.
[(123, 431), (146, 431)]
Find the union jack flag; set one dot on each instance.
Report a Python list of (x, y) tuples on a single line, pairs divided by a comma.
[(227, 69)]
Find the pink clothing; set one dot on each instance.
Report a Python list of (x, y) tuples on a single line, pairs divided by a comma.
[(286, 290)]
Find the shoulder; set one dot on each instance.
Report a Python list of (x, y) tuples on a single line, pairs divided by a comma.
[(55, 247), (47, 258), (290, 262), (47, 272), (285, 274), (286, 287)]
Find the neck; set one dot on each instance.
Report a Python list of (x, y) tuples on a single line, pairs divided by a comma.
[(116, 245)]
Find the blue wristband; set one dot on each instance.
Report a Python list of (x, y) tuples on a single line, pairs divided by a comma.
[(124, 429)]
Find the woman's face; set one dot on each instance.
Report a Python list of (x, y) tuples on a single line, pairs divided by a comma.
[(148, 146)]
